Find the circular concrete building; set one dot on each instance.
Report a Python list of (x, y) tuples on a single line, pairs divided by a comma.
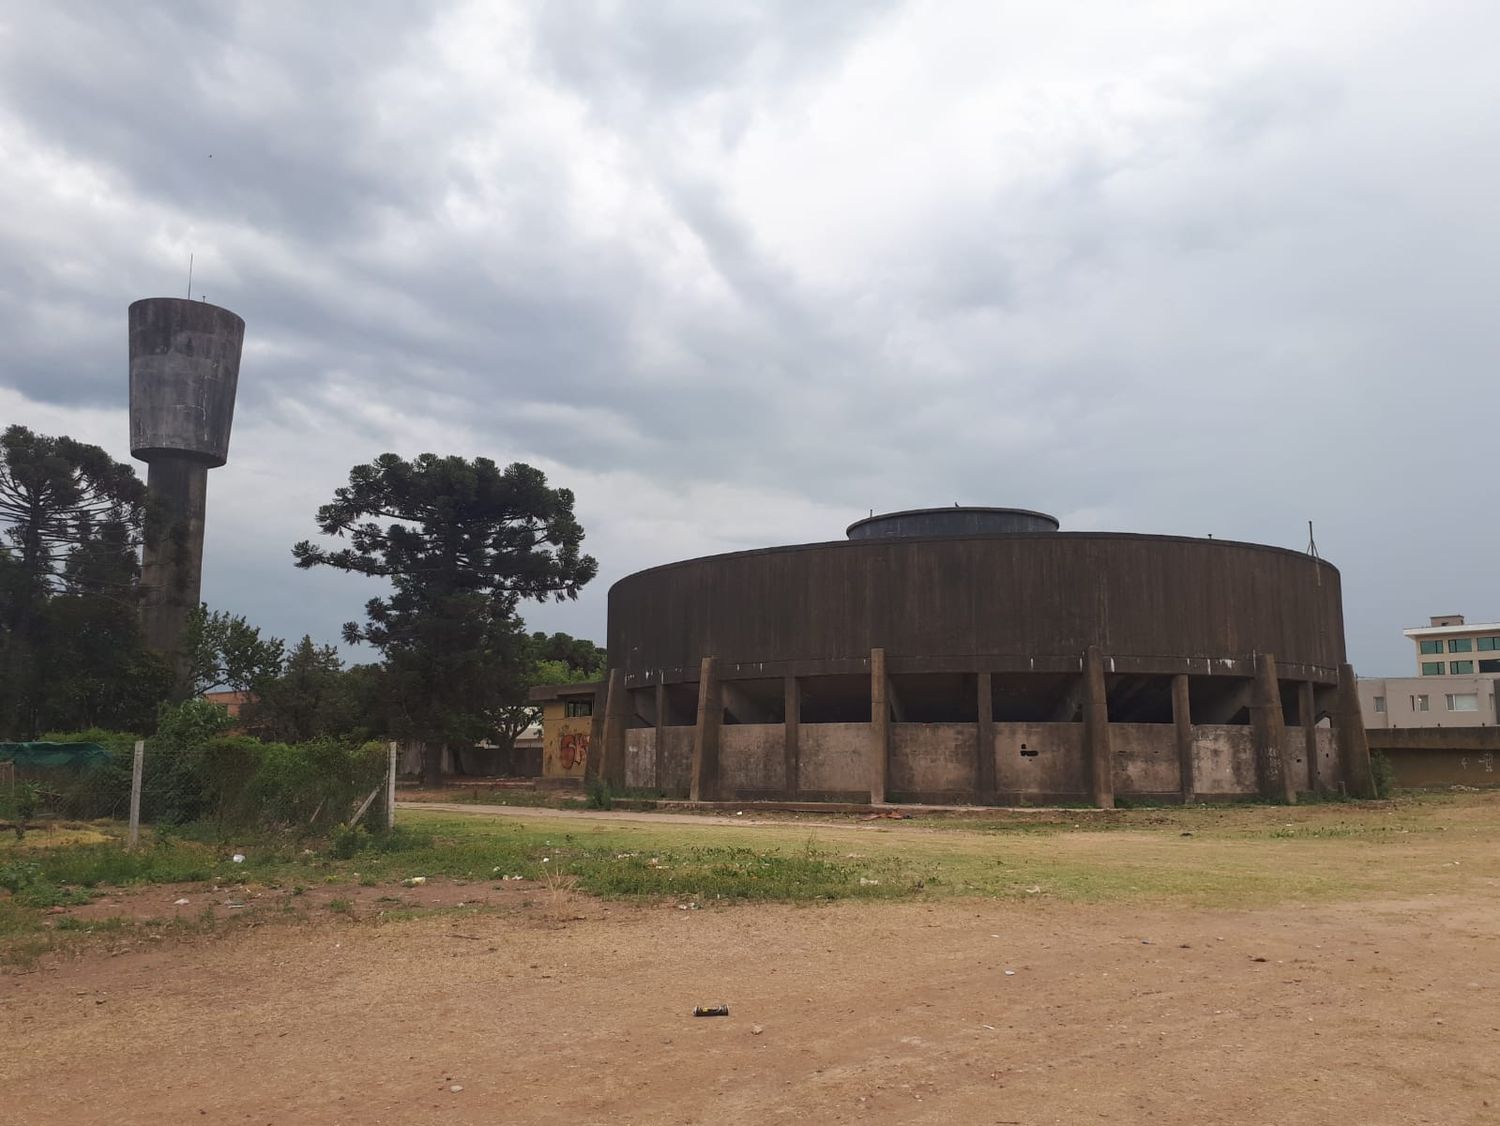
[(979, 655)]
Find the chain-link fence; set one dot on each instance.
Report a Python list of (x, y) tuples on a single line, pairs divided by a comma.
[(227, 783)]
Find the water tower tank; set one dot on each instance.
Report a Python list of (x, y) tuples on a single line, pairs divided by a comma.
[(923, 523)]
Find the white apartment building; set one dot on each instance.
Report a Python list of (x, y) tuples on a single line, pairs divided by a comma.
[(1457, 666)]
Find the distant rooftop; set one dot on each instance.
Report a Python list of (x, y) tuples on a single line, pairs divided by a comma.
[(1451, 623)]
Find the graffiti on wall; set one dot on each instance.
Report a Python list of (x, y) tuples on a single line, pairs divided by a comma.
[(573, 750)]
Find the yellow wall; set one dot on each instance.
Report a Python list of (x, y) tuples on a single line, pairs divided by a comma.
[(565, 742)]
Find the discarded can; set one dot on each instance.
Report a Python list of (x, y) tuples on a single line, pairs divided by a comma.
[(711, 1011)]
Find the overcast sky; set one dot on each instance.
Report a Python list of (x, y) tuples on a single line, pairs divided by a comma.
[(737, 273)]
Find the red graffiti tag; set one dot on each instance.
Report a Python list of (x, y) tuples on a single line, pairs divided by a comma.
[(574, 750)]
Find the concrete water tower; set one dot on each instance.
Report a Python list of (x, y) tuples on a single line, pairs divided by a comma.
[(184, 369)]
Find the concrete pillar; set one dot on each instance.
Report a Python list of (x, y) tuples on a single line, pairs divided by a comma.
[(659, 767), (1098, 756), (617, 709), (594, 756), (172, 560), (1307, 717), (1182, 718), (706, 738), (1349, 731), (184, 371), (984, 731), (792, 767), (880, 727), (1268, 727)]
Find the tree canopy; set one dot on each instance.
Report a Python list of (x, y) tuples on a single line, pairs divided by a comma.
[(71, 651), (461, 543), (225, 651)]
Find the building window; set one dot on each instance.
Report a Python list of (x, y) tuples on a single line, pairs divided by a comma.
[(1432, 668), (1489, 644), (1460, 667), (1463, 701), (1380, 703), (1429, 647), (1419, 703), (574, 709), (1489, 666), (1461, 645)]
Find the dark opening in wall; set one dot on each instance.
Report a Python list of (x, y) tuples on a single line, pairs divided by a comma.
[(681, 705), (835, 699), (754, 701), (935, 698), (1220, 700), (1034, 697), (1140, 699)]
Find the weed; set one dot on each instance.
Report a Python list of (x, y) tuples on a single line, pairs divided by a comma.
[(50, 895), (348, 840), (93, 926), (599, 796), (1382, 774), (342, 906)]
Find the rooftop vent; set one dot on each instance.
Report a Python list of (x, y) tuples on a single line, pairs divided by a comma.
[(923, 523)]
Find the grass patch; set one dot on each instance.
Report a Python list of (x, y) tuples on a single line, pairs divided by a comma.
[(1240, 855)]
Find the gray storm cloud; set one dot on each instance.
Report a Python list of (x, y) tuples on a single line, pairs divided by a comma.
[(738, 273)]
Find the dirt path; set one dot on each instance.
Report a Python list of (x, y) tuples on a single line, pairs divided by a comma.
[(572, 1012), (548, 814)]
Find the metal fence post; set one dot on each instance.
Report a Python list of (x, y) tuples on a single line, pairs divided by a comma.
[(390, 790), (136, 769)]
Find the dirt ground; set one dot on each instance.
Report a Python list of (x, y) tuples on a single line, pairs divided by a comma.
[(548, 1007)]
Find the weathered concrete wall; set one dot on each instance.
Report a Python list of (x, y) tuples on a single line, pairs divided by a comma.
[(1040, 760), (834, 759), (752, 759), (1440, 756), (1328, 759), (1224, 760), (640, 758), (565, 742), (1145, 758), (1295, 757), (677, 761), (933, 761)]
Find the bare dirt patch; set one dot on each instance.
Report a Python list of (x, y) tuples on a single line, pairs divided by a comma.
[(576, 1011)]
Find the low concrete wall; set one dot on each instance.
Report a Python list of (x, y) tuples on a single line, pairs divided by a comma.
[(1145, 759), (640, 758), (752, 760), (1440, 756), (936, 762), (1224, 761), (1034, 762), (1294, 754), (1328, 759), (834, 761), (1040, 762), (677, 765)]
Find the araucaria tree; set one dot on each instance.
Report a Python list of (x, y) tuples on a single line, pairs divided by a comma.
[(462, 543), (71, 654)]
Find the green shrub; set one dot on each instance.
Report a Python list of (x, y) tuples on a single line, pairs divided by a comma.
[(199, 773), (17, 875), (1382, 774), (599, 796), (347, 840)]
